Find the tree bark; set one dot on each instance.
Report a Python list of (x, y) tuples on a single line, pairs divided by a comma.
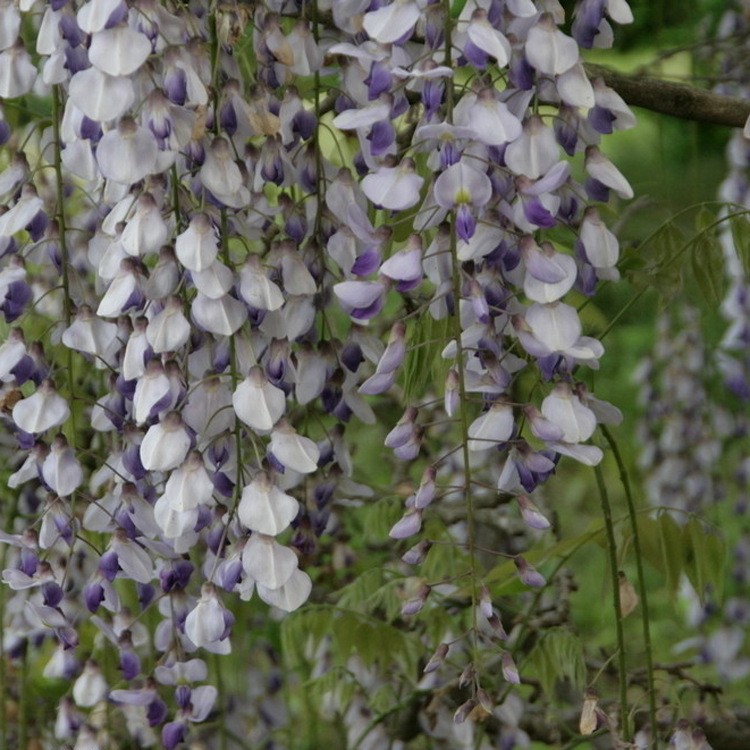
[(675, 99)]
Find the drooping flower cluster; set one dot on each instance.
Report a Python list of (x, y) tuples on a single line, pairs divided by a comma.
[(194, 271)]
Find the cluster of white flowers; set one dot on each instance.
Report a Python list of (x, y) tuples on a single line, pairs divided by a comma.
[(196, 277)]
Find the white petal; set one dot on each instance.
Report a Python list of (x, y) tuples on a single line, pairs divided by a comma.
[(134, 560), (127, 154), (150, 389), (292, 595), (268, 562), (222, 316), (557, 326), (365, 117), (89, 688), (215, 281), (164, 449), (257, 289), (602, 169), (395, 188), (575, 88), (190, 486), (489, 40), (17, 72), (169, 330), (198, 246), (119, 51), (173, 522), (549, 50), (93, 16), (205, 623), (41, 411), (100, 96), (563, 408), (589, 455), (259, 403), (492, 427), (265, 508), (294, 451), (391, 22)]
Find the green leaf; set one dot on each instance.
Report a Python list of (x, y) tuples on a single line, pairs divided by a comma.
[(716, 558), (740, 226), (423, 365), (658, 264), (558, 655), (457, 7), (705, 554), (671, 541), (302, 627), (707, 264), (338, 681)]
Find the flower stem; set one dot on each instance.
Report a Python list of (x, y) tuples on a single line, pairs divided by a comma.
[(612, 552), (642, 591)]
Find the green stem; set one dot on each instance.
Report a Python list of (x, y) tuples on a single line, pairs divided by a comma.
[(222, 703), (612, 552), (23, 700), (464, 426), (12, 510), (64, 254), (642, 591)]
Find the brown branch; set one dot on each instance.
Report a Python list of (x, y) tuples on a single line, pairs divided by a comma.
[(674, 99)]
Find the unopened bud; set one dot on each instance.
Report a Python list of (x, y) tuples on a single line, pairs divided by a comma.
[(510, 670), (417, 554), (463, 711), (528, 573), (467, 676), (414, 606), (484, 701), (437, 659), (497, 626), (531, 514)]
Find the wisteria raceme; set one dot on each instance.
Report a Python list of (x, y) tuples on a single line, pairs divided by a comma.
[(211, 242)]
